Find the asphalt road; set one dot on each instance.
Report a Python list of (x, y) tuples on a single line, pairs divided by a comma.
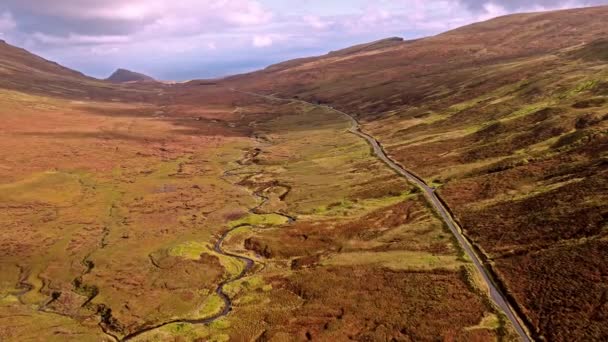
[(495, 293)]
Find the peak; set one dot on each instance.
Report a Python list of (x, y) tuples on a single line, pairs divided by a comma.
[(124, 75), (123, 71)]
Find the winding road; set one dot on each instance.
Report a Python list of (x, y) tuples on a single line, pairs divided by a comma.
[(496, 295)]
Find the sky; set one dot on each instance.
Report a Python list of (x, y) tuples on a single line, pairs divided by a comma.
[(189, 39)]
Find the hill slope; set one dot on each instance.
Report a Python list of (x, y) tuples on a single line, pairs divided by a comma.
[(23, 71), (509, 118), (20, 69)]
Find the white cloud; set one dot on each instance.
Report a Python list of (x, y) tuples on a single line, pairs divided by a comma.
[(246, 13), (103, 50), (492, 10), (261, 41), (518, 5), (133, 16), (7, 23), (173, 33), (317, 22)]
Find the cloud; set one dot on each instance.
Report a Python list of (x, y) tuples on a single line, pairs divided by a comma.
[(7, 23), (317, 22), (112, 17), (262, 41), (196, 37), (104, 51)]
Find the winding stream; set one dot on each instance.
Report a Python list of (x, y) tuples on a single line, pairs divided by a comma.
[(248, 262)]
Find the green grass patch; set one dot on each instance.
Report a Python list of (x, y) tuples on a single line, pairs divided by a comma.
[(48, 187), (490, 322), (361, 207), (192, 250), (526, 110), (398, 260), (189, 250), (220, 324), (579, 88), (246, 285), (212, 306), (259, 220)]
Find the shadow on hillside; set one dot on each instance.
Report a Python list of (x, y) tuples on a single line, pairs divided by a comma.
[(184, 125), (119, 112), (101, 135)]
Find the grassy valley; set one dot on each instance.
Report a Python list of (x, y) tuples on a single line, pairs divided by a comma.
[(242, 210), (112, 209)]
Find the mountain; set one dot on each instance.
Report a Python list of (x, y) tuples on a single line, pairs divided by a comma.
[(25, 72), (408, 65), (123, 76), (354, 50), (17, 60), (22, 70), (508, 118)]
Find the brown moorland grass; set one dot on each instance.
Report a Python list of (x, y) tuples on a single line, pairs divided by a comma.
[(513, 133), (95, 197), (299, 292), (111, 210), (109, 189)]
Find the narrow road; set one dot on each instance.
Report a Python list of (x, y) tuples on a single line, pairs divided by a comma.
[(495, 293)]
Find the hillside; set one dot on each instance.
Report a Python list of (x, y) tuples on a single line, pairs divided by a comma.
[(124, 76), (509, 119), (16, 60), (411, 67), (23, 71)]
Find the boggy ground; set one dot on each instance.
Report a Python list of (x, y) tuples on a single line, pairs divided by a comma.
[(111, 197), (111, 208), (345, 248)]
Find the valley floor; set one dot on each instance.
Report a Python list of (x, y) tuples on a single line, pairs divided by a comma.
[(111, 213)]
